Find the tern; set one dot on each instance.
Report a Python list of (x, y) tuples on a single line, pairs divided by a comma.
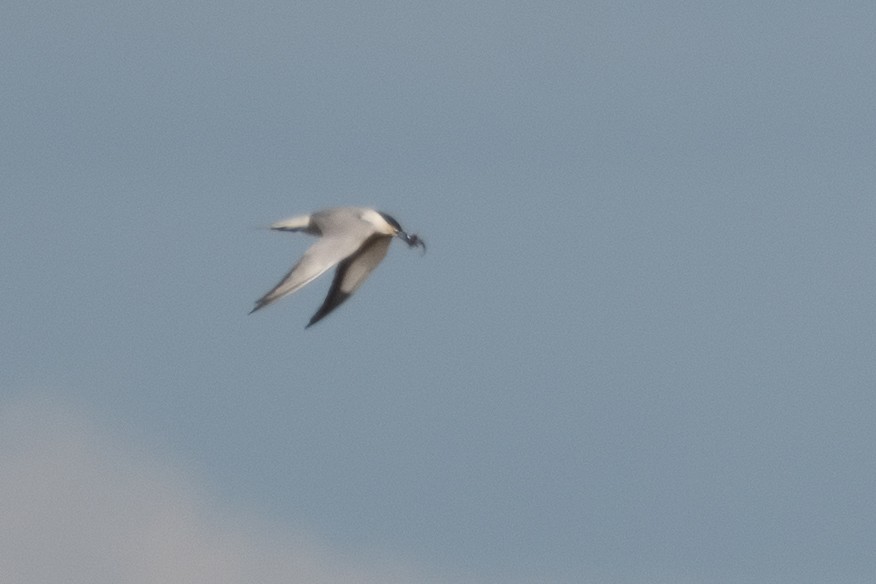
[(355, 239)]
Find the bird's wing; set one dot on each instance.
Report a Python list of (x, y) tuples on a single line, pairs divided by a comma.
[(321, 256), (351, 273)]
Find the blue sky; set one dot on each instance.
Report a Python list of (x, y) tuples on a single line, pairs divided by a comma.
[(640, 348)]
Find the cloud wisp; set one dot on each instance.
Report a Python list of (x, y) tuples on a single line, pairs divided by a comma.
[(78, 507)]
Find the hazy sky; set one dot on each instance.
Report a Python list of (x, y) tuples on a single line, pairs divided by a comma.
[(639, 350)]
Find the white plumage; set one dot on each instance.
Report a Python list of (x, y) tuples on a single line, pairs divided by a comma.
[(353, 238)]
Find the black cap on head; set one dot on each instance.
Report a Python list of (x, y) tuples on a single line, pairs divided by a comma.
[(391, 221)]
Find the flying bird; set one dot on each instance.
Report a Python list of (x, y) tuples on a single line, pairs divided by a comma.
[(353, 238)]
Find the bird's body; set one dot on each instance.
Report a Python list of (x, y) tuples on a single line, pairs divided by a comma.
[(355, 239)]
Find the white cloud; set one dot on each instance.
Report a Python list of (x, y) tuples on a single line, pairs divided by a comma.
[(75, 507)]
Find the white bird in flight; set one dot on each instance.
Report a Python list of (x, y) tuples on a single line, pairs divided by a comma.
[(353, 238)]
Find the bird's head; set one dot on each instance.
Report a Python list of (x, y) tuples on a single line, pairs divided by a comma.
[(386, 224)]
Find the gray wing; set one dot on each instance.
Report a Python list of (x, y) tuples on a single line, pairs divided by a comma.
[(321, 256), (351, 273)]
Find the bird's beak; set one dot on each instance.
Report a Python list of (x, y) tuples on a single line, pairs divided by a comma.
[(412, 239)]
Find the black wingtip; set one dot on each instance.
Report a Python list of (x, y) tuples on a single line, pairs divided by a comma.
[(318, 316), (334, 299), (315, 319)]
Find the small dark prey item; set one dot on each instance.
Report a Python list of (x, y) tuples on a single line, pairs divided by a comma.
[(412, 239)]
